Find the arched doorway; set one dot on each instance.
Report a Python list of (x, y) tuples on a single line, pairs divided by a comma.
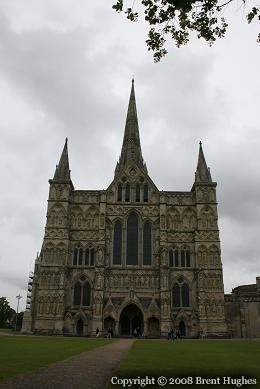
[(153, 327), (131, 318), (109, 323), (80, 325), (182, 328)]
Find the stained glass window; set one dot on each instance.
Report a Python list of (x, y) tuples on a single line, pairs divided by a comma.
[(77, 294), (132, 240), (86, 294), (117, 248), (147, 244), (185, 295), (176, 296)]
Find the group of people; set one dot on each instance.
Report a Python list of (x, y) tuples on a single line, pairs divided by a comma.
[(109, 333), (174, 335), (137, 332)]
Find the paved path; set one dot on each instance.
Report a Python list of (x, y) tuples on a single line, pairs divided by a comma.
[(87, 370)]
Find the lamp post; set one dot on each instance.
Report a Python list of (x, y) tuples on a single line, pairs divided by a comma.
[(18, 301)]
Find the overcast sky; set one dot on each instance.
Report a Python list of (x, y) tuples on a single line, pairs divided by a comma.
[(65, 71)]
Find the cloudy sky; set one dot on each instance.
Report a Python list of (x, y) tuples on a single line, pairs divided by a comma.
[(65, 71)]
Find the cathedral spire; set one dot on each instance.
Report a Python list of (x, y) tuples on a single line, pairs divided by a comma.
[(131, 148), (62, 172), (202, 174)]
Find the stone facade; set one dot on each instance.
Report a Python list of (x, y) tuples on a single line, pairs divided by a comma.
[(131, 256), (242, 308)]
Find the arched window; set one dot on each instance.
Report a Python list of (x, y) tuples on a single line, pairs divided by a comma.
[(145, 193), (75, 256), (147, 243), (77, 294), (180, 295), (185, 295), (176, 296), (87, 257), (117, 247), (171, 258), (86, 294), (182, 258), (132, 240), (92, 256), (176, 258), (80, 256), (127, 192), (119, 192), (137, 193), (188, 264)]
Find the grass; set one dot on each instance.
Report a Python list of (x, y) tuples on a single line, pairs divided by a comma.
[(21, 354), (9, 330), (207, 359)]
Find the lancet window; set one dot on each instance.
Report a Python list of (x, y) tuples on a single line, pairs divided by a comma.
[(82, 294), (84, 257), (147, 243), (145, 193), (117, 244), (180, 258), (119, 192), (132, 240), (180, 295)]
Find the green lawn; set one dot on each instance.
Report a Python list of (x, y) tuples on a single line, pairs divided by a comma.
[(6, 330), (20, 354), (207, 359)]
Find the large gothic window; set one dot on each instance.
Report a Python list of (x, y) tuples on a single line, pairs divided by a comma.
[(171, 258), (145, 193), (185, 295), (80, 257), (132, 240), (92, 256), (75, 256), (180, 295), (117, 248), (77, 294), (176, 258), (137, 193), (87, 257), (86, 294), (176, 296), (182, 258), (147, 243), (119, 192), (127, 192)]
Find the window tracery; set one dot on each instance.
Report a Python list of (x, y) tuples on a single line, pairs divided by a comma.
[(180, 295), (82, 293)]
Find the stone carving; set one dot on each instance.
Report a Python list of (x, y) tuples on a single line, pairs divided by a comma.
[(138, 280)]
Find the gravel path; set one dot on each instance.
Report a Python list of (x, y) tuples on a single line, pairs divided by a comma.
[(90, 369)]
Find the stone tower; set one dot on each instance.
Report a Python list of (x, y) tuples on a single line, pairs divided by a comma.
[(131, 257)]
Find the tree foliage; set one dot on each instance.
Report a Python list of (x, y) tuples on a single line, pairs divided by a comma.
[(178, 18), (6, 312)]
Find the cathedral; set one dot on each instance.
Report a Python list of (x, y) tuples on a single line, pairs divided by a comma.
[(130, 258)]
